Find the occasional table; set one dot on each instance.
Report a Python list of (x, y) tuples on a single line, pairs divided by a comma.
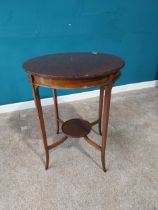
[(75, 71)]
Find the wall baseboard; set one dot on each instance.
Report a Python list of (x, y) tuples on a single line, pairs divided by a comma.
[(77, 96)]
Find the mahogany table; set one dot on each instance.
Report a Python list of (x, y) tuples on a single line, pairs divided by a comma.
[(75, 71)]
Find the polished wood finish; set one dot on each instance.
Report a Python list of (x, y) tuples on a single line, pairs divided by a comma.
[(75, 71), (56, 110), (76, 128), (107, 97), (79, 65), (73, 84), (100, 110), (35, 90)]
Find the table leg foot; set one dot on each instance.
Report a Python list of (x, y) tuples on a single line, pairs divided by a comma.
[(103, 163), (47, 160)]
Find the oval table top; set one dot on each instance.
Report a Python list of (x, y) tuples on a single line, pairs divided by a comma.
[(79, 65)]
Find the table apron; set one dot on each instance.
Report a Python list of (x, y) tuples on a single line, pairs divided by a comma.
[(73, 83)]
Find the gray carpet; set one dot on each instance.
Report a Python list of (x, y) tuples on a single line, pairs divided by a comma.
[(75, 179)]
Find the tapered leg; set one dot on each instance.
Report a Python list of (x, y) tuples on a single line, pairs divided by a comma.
[(100, 110), (56, 109), (107, 97), (41, 120)]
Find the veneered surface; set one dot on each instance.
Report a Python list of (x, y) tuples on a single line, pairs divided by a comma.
[(74, 65), (76, 128)]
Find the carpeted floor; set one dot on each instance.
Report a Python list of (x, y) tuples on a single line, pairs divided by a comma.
[(75, 179)]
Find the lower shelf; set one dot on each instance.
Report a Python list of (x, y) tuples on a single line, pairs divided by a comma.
[(76, 128)]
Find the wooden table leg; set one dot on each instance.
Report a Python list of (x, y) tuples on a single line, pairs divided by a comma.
[(56, 109), (106, 108), (41, 120), (100, 110)]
